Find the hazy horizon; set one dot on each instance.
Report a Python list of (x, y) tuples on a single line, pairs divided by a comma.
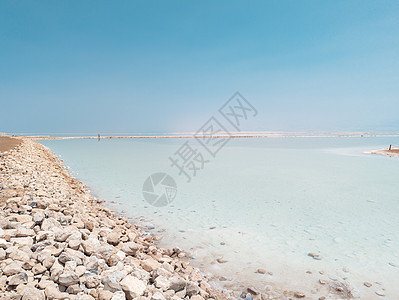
[(261, 133)]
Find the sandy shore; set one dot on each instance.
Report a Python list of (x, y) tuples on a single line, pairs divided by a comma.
[(58, 242), (7, 143), (390, 153)]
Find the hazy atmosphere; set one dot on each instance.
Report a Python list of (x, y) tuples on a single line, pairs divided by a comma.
[(166, 66)]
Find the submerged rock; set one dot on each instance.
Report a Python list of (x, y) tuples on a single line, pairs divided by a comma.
[(380, 293), (368, 284), (314, 256)]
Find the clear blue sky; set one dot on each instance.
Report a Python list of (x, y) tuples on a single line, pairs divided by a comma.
[(162, 66)]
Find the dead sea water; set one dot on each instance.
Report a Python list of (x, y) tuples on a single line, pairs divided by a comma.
[(263, 204)]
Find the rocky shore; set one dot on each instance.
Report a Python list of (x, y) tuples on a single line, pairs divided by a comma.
[(59, 242)]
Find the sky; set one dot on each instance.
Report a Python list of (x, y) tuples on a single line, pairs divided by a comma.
[(168, 66)]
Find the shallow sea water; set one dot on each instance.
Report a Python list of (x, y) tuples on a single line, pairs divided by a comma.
[(263, 203)]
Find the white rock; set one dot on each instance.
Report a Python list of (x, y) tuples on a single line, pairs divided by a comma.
[(56, 270), (192, 289), (2, 254), (106, 295), (23, 232), (197, 297), (158, 296), (105, 252), (150, 264), (38, 217), (22, 241), (119, 296), (52, 292), (168, 267), (13, 268), (133, 287), (177, 284), (196, 276), (141, 274), (18, 279), (162, 283), (90, 280), (130, 248), (80, 270), (76, 235), (92, 263), (23, 218), (45, 235), (48, 262), (68, 278), (121, 255), (380, 293), (74, 244), (39, 269), (50, 224), (84, 297), (91, 246), (31, 293), (111, 281), (19, 255), (4, 244), (44, 282), (62, 235), (113, 238), (70, 266)]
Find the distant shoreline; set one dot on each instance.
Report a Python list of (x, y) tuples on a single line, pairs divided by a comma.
[(390, 153), (231, 135)]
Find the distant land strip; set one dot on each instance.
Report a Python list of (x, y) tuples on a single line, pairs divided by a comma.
[(203, 136)]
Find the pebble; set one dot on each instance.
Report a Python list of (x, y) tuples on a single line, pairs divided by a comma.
[(18, 279), (299, 295), (261, 271), (322, 281)]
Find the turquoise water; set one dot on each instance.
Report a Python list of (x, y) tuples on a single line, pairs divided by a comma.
[(263, 203)]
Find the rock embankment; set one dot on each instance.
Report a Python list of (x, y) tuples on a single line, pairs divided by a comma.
[(58, 242)]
